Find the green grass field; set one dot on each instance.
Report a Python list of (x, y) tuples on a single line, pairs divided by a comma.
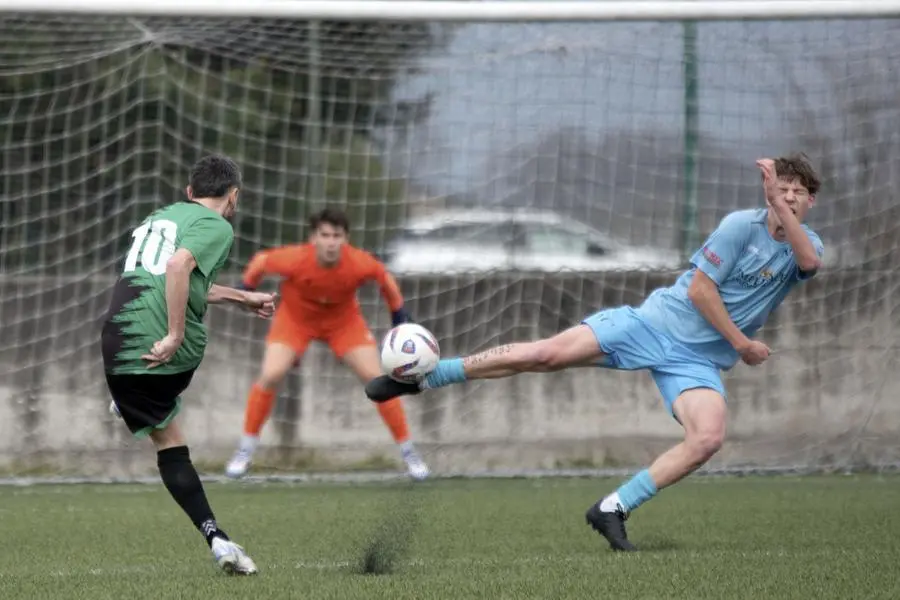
[(721, 538)]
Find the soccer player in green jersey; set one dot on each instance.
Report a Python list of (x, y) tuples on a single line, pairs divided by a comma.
[(154, 338)]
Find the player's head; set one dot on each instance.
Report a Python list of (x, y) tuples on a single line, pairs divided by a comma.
[(798, 183), (216, 179), (328, 231)]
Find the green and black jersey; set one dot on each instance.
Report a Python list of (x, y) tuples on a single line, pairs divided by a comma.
[(137, 314)]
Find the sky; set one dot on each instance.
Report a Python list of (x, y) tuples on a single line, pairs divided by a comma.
[(498, 87)]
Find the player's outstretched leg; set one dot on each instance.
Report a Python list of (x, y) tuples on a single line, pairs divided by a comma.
[(364, 362), (577, 346), (181, 479), (277, 361), (701, 412)]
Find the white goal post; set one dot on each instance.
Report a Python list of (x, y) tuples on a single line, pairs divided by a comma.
[(518, 165)]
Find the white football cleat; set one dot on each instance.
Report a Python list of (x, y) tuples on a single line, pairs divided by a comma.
[(239, 464), (415, 466), (231, 558)]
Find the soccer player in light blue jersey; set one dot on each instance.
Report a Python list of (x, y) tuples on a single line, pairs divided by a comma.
[(685, 335)]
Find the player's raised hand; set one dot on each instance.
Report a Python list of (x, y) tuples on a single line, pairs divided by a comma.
[(263, 304), (769, 178), (162, 351), (755, 353)]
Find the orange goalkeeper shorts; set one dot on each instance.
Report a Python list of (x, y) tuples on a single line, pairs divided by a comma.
[(342, 335)]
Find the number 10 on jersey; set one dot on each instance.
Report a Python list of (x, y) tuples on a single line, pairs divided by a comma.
[(157, 239)]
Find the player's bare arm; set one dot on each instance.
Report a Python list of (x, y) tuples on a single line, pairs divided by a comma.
[(178, 277), (263, 304), (220, 294), (788, 199), (704, 295)]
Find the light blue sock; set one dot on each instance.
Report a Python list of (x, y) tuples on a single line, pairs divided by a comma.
[(447, 372), (636, 490)]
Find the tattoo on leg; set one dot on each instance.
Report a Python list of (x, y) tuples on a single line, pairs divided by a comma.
[(476, 359)]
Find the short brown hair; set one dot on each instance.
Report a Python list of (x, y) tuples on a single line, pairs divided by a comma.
[(797, 166), (333, 216)]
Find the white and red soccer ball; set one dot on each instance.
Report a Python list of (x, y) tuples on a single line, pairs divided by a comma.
[(409, 352)]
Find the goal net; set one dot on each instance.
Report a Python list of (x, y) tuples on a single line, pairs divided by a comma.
[(516, 174)]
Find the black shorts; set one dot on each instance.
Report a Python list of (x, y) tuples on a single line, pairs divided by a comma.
[(148, 402)]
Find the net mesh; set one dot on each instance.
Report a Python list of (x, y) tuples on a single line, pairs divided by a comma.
[(516, 177)]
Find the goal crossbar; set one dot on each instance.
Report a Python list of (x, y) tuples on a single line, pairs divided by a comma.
[(445, 10)]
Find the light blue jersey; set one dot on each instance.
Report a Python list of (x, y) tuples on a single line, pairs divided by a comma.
[(754, 273), (668, 336)]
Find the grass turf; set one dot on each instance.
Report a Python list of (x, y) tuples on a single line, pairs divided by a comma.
[(722, 538)]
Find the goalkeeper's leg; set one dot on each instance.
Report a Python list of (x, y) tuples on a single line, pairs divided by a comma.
[(575, 347), (355, 346), (281, 355)]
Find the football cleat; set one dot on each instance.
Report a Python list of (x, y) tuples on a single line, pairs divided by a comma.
[(232, 558), (611, 525), (239, 464), (383, 388), (415, 466)]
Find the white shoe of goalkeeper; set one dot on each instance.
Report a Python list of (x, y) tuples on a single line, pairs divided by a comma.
[(231, 558), (239, 464), (415, 466)]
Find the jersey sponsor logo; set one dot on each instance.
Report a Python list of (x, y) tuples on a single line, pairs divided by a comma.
[(764, 277), (711, 257)]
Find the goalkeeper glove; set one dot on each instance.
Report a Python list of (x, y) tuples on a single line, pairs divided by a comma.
[(400, 316)]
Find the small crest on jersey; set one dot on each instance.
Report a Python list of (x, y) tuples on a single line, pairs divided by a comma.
[(766, 274), (408, 347), (711, 256)]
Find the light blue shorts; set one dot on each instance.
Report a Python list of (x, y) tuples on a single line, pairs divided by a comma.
[(630, 345)]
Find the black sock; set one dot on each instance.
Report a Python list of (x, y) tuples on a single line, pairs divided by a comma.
[(181, 479)]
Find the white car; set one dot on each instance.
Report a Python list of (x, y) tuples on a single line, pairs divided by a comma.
[(513, 240)]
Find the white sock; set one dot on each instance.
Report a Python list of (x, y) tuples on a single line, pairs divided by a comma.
[(610, 503), (407, 446), (249, 443)]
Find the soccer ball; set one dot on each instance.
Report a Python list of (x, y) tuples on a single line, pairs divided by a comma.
[(409, 353)]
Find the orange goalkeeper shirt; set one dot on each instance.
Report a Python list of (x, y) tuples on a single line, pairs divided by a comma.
[(317, 295)]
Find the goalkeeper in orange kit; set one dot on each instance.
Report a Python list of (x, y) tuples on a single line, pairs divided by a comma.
[(318, 302)]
